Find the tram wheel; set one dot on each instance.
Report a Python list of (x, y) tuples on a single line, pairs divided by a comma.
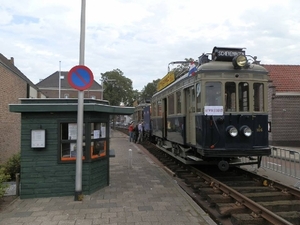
[(223, 165)]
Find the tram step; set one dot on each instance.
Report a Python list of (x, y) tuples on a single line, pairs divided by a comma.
[(194, 158), (167, 147)]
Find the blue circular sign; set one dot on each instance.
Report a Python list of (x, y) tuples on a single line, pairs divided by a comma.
[(80, 77)]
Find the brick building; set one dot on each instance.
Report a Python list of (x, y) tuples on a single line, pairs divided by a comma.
[(52, 87), (284, 104), (13, 86)]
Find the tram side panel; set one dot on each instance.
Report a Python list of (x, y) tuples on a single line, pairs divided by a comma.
[(261, 132)]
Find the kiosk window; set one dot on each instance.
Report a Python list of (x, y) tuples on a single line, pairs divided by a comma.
[(68, 148), (98, 140)]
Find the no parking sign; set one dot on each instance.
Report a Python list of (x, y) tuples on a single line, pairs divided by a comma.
[(80, 77)]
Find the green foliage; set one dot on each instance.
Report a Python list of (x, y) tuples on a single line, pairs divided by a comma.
[(149, 90), (117, 88), (12, 166), (3, 177)]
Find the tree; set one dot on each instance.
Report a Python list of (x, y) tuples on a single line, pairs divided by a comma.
[(149, 90), (117, 88)]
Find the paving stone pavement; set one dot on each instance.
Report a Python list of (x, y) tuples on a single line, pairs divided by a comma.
[(140, 193)]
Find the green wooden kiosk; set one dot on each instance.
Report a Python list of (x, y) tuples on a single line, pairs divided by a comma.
[(48, 145)]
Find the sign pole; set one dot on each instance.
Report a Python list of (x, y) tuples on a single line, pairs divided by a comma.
[(78, 185)]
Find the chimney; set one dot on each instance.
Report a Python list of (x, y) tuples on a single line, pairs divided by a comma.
[(12, 61)]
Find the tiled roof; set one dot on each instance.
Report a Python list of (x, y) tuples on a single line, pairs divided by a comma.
[(9, 64), (53, 82), (286, 78)]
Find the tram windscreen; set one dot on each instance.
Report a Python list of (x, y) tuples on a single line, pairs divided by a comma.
[(213, 94)]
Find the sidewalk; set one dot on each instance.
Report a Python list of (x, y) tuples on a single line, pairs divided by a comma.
[(140, 193)]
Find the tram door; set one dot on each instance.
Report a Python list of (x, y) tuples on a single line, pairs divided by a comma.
[(164, 118), (190, 101)]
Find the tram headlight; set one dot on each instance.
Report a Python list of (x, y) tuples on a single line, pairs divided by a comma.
[(232, 131), (246, 131), (239, 61)]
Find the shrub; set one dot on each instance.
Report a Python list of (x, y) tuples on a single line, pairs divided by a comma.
[(12, 166), (3, 177)]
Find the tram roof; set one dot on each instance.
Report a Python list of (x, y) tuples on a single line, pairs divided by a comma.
[(227, 66)]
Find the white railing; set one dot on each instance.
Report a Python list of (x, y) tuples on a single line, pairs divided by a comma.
[(283, 161)]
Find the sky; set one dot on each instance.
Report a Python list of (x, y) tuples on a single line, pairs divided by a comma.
[(141, 37)]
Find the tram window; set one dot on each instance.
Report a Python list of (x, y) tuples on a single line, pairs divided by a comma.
[(230, 97), (159, 109), (213, 94), (193, 100), (258, 91), (171, 106), (153, 109), (178, 101), (243, 97), (198, 97)]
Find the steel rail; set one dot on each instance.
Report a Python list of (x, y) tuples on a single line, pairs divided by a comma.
[(253, 206)]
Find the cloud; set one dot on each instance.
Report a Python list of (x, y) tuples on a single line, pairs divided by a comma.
[(141, 37)]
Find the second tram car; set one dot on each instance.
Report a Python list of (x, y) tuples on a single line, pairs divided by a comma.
[(138, 114), (215, 111)]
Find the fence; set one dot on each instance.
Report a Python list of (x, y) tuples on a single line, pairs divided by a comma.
[(281, 160)]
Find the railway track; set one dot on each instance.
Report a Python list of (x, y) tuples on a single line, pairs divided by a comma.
[(235, 196)]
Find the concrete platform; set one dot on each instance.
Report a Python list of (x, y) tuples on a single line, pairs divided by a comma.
[(140, 193)]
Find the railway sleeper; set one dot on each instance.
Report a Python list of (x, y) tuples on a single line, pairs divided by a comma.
[(200, 185), (231, 178), (210, 190), (247, 183), (293, 217), (192, 180), (278, 206), (254, 189), (226, 209), (217, 198), (204, 192), (269, 196), (243, 219)]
